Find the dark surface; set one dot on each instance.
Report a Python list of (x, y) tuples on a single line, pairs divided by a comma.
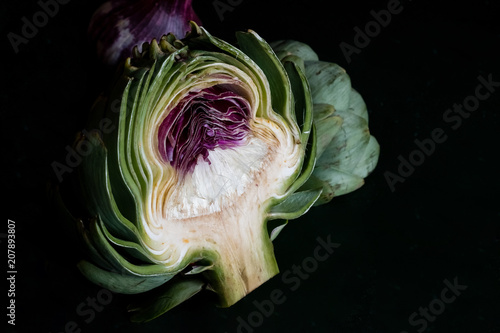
[(397, 247)]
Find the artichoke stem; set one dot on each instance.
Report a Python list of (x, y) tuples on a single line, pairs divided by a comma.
[(246, 263)]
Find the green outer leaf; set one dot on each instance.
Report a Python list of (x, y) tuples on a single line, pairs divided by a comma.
[(335, 182), (368, 160), (327, 125), (263, 55), (357, 105), (346, 148), (97, 186), (129, 106), (135, 127), (348, 155), (199, 269), (309, 163), (302, 96), (94, 253), (134, 249), (120, 263), (120, 190), (329, 83), (174, 294), (284, 48), (304, 108), (275, 232), (294, 205), (120, 283)]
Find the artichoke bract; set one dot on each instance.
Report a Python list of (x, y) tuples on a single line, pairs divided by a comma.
[(214, 151), (346, 151)]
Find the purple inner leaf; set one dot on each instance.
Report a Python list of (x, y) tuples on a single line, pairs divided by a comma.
[(202, 121)]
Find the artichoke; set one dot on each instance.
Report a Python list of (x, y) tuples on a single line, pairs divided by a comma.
[(206, 144)]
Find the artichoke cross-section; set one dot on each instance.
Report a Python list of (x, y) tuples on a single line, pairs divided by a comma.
[(210, 142)]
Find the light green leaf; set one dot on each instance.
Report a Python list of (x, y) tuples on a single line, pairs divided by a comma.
[(295, 205), (120, 263), (327, 125), (368, 160), (97, 185), (172, 295), (284, 48), (263, 55), (329, 84), (275, 232), (120, 283)]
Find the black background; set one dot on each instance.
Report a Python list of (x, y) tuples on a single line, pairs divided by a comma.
[(397, 247)]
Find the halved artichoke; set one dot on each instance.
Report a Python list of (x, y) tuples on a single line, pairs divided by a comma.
[(211, 142)]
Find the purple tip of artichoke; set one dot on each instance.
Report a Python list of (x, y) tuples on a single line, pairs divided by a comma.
[(119, 25), (203, 121)]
